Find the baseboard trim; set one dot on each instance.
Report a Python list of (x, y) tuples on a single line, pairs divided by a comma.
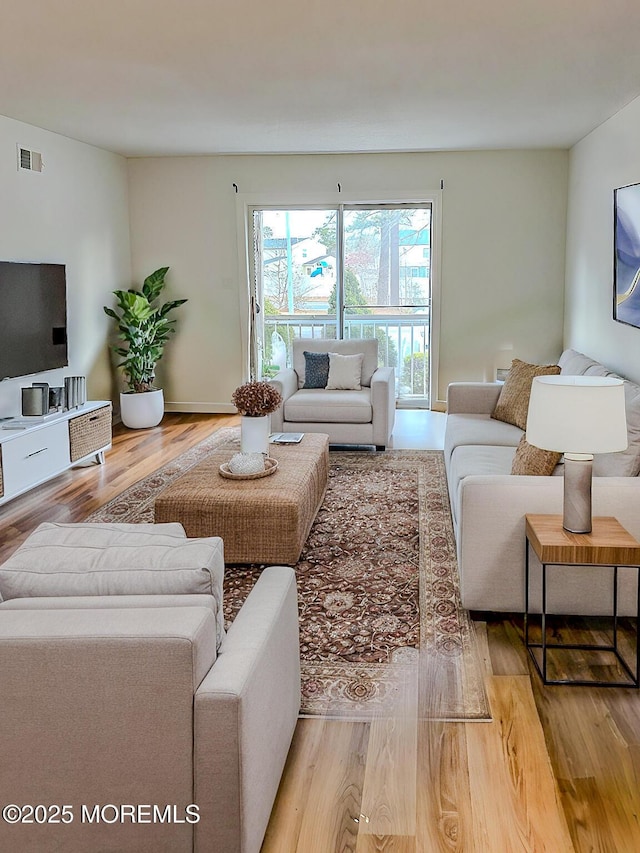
[(201, 408)]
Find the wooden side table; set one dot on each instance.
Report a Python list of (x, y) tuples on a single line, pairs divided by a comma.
[(608, 545)]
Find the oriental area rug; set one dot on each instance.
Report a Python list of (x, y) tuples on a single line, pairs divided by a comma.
[(382, 631)]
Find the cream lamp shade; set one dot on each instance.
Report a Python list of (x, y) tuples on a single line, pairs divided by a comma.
[(577, 416)]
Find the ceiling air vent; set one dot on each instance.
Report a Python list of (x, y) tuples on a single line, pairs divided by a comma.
[(31, 161)]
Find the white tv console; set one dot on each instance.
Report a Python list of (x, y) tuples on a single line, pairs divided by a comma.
[(33, 450)]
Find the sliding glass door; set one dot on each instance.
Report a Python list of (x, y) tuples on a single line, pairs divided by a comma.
[(351, 271)]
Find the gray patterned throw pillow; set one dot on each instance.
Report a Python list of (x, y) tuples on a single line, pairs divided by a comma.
[(316, 369)]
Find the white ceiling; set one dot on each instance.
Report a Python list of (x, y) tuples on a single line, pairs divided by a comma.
[(145, 77)]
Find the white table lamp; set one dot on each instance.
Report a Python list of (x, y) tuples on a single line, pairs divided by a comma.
[(577, 416)]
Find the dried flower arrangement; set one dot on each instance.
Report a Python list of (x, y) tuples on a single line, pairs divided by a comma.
[(255, 399)]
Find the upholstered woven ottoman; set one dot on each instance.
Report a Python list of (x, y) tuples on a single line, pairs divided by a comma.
[(265, 520)]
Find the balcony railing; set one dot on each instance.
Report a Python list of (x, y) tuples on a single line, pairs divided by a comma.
[(403, 343)]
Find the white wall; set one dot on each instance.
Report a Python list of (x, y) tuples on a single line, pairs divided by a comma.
[(75, 212), (503, 252), (607, 158)]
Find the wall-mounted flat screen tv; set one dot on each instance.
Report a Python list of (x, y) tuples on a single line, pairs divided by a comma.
[(33, 311)]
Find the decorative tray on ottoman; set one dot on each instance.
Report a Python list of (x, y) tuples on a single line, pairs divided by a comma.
[(270, 467)]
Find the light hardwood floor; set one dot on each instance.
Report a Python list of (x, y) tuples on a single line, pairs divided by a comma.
[(557, 769)]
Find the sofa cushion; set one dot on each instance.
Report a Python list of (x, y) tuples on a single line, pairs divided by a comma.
[(513, 402), (344, 372), (478, 429), (109, 602), (120, 602), (106, 533), (324, 406), (316, 369), (626, 463), (574, 363), (101, 559), (475, 459), (530, 460)]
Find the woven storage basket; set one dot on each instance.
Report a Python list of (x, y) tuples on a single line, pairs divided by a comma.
[(88, 433)]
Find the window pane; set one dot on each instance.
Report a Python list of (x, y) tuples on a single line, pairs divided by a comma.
[(387, 256), (298, 280)]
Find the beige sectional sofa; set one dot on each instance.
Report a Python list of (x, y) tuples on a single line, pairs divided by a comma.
[(488, 503), (114, 696)]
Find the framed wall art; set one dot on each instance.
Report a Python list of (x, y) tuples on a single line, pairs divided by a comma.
[(626, 258)]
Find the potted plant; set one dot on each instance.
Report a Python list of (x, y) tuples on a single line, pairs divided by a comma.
[(144, 328), (255, 401)]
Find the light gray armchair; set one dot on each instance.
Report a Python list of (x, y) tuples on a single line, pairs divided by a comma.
[(362, 415)]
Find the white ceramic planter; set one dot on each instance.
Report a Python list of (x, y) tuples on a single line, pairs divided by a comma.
[(254, 434), (143, 410)]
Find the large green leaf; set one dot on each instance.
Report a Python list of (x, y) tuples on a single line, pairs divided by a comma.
[(169, 306), (154, 283), (135, 307)]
